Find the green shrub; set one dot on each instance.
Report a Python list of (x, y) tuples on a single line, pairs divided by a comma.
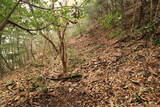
[(111, 19), (135, 30), (156, 41), (117, 33), (39, 78)]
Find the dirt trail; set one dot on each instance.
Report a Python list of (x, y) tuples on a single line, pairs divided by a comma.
[(126, 74)]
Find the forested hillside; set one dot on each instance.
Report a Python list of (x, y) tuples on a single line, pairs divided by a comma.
[(79, 53)]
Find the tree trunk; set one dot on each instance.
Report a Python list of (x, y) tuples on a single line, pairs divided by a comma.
[(63, 58), (31, 50), (63, 54), (1, 67)]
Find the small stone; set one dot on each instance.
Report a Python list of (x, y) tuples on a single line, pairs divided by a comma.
[(74, 85), (70, 89)]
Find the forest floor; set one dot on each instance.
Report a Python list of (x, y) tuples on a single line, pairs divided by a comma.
[(108, 73)]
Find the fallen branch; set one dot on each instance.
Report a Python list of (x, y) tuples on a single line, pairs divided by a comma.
[(66, 78)]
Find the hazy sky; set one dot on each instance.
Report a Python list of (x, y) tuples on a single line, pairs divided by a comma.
[(69, 2)]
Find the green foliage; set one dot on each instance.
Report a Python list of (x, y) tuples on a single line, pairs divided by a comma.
[(117, 33), (156, 40), (40, 78), (37, 84), (135, 30), (111, 19), (26, 19), (44, 90), (148, 28), (71, 52)]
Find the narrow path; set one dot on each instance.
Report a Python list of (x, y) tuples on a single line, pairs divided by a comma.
[(126, 74)]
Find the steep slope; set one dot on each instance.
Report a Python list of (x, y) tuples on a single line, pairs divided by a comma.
[(114, 73)]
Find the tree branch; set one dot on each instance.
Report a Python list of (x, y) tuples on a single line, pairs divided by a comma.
[(4, 23), (30, 30), (23, 28), (26, 29), (50, 41), (7, 64), (43, 8)]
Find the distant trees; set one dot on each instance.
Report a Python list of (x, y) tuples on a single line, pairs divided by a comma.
[(136, 15), (21, 19)]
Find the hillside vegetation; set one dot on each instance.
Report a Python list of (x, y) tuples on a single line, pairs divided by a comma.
[(98, 53)]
